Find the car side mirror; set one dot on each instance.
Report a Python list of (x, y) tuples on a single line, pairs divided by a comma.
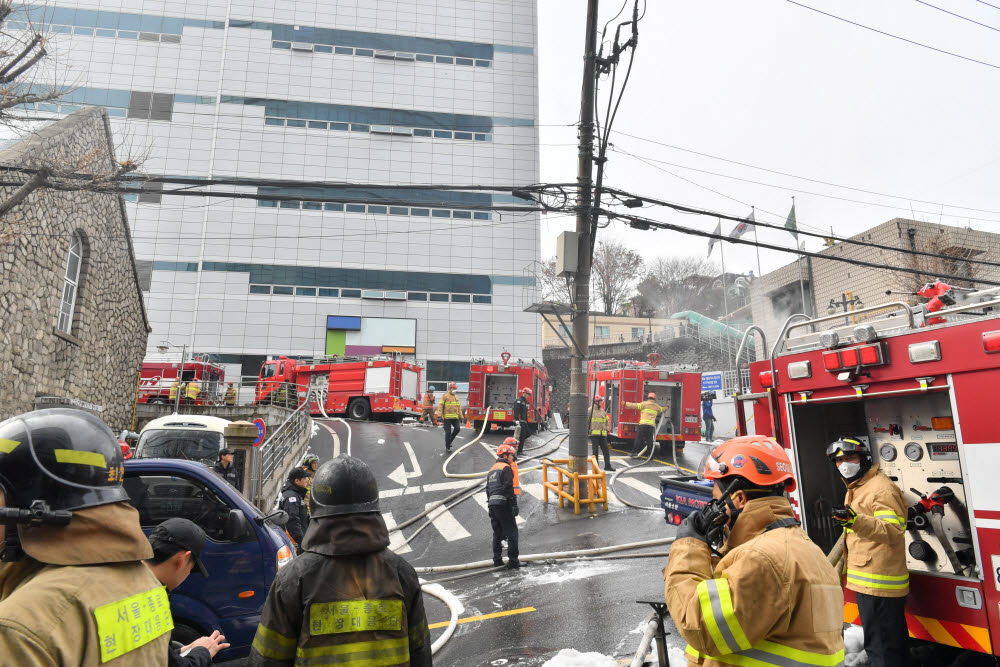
[(236, 527), (277, 517)]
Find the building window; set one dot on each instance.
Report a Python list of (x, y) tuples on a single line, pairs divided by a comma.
[(151, 106), (151, 193), (329, 292), (638, 333), (260, 289), (480, 298), (447, 371), (71, 283), (282, 289), (602, 331), (144, 268), (439, 297)]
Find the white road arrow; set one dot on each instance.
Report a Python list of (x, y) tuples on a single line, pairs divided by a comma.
[(399, 475)]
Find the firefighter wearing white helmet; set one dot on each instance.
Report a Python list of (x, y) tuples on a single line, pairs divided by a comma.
[(874, 518), (773, 598)]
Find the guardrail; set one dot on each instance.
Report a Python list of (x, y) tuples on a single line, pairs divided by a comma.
[(284, 394), (596, 482), (287, 444)]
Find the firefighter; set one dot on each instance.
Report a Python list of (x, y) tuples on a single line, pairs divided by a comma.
[(521, 408), (192, 390), (348, 599), (73, 550), (451, 415), (599, 421), (874, 518), (173, 390), (645, 432), (502, 488), (293, 501), (773, 598), (427, 408), (230, 398), (225, 469)]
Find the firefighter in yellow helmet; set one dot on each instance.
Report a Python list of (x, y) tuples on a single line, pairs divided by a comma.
[(773, 598), (645, 432), (874, 516)]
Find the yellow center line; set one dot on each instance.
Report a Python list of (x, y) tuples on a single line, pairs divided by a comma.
[(693, 472), (522, 610)]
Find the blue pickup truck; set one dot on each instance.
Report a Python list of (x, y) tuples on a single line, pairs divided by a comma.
[(245, 548), (680, 496)]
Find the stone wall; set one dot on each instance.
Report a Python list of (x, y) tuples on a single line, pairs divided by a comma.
[(99, 360)]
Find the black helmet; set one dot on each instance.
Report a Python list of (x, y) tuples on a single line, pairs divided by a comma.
[(345, 485), (67, 458), (848, 446)]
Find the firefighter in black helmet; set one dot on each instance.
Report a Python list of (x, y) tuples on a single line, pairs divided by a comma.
[(347, 597), (73, 549)]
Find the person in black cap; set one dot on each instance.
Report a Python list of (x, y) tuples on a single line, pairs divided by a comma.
[(226, 470), (177, 546), (293, 501)]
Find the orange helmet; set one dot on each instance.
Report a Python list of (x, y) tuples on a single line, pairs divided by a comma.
[(526, 390), (651, 395), (756, 458), (508, 448), (452, 385)]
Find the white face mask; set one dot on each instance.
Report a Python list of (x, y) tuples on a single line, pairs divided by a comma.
[(849, 470)]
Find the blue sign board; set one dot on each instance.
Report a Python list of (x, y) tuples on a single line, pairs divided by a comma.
[(711, 382)]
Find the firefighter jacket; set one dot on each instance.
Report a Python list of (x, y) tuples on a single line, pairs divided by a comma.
[(875, 544), (599, 421), (230, 396), (648, 410), (229, 474), (502, 484), (451, 407), (192, 390), (773, 598), (173, 390), (293, 501), (82, 595), (428, 402), (521, 409), (347, 601)]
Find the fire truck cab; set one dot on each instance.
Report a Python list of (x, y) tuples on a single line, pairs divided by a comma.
[(494, 386), (921, 391), (157, 376), (623, 381)]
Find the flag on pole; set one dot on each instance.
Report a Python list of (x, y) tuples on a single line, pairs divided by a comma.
[(790, 223), (711, 242), (743, 227)]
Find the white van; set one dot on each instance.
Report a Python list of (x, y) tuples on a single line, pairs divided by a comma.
[(189, 437)]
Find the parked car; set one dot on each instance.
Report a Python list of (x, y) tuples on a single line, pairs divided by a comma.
[(188, 437), (244, 551)]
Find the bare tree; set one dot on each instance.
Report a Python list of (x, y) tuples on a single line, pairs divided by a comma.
[(615, 271), (554, 287), (674, 284), (954, 260)]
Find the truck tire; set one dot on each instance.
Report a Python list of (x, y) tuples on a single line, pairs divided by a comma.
[(359, 409), (160, 401), (477, 425)]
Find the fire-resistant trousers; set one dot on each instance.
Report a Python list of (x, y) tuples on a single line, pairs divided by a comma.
[(643, 437), (504, 528), (601, 442), (886, 635), (428, 414), (522, 436), (451, 429)]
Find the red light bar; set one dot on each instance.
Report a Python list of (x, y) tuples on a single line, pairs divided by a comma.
[(766, 379), (831, 361), (849, 357), (991, 341), (870, 355), (863, 355)]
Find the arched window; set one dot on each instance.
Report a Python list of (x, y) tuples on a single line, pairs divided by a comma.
[(71, 283)]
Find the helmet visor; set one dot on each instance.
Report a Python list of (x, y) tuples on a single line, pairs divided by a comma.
[(711, 467)]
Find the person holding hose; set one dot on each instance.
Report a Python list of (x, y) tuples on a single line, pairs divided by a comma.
[(874, 518), (451, 415), (502, 489), (645, 432), (521, 407), (599, 421), (773, 598)]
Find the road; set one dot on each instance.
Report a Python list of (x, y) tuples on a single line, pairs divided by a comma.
[(521, 617)]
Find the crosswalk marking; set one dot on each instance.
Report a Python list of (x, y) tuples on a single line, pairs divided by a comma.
[(484, 502), (648, 489), (535, 489), (446, 524), (447, 486), (396, 540)]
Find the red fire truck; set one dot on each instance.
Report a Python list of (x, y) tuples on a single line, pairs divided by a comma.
[(621, 381), (922, 391), (356, 386), (157, 376), (495, 386)]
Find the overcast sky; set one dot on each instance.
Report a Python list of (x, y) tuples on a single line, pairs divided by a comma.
[(774, 85)]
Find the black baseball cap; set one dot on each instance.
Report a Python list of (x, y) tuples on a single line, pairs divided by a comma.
[(185, 534), (226, 450)]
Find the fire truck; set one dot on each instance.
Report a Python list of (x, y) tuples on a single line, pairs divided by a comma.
[(357, 386), (495, 386), (919, 385), (621, 381), (157, 376)]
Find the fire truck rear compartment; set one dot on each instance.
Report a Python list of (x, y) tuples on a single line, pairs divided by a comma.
[(500, 391), (668, 393)]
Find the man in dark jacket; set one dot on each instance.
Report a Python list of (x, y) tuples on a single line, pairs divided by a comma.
[(521, 407), (225, 468), (293, 501), (347, 599), (501, 498)]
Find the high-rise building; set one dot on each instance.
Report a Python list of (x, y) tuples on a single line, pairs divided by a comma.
[(278, 95)]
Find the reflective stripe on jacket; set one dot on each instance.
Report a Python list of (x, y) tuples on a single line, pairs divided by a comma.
[(428, 401), (648, 411), (500, 484), (231, 396), (876, 543), (192, 389), (599, 421), (451, 407), (773, 598), (173, 391)]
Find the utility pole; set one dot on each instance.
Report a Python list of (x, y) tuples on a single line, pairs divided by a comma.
[(578, 364)]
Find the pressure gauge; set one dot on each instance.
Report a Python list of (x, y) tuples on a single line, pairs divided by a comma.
[(887, 452), (914, 451)]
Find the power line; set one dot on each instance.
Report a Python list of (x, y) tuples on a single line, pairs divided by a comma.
[(889, 34), (982, 2), (964, 18)]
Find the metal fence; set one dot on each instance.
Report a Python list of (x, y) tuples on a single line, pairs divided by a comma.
[(269, 457)]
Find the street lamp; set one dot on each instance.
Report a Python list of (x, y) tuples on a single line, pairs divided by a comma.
[(162, 349)]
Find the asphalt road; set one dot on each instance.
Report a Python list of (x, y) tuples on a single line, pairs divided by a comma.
[(515, 617)]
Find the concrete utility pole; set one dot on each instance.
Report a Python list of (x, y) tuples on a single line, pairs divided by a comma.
[(578, 363)]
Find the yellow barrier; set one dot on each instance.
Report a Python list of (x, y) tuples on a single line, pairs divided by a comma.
[(596, 481)]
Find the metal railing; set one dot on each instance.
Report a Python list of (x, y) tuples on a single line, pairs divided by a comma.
[(269, 457)]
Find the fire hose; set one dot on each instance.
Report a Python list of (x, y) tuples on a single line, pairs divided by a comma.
[(338, 419), (652, 450)]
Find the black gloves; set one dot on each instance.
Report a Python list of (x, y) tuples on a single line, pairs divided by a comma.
[(514, 508), (845, 516), (689, 528)]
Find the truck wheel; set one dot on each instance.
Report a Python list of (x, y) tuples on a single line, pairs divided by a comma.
[(477, 425), (161, 401), (359, 409)]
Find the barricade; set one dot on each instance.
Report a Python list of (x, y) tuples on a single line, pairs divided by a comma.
[(567, 484)]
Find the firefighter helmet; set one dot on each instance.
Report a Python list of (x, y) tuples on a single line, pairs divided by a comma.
[(452, 385), (758, 459), (526, 390), (309, 459), (67, 458), (651, 395), (848, 446), (598, 400), (344, 485), (508, 448)]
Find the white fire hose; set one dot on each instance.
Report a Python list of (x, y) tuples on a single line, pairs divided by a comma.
[(646, 641), (337, 419)]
